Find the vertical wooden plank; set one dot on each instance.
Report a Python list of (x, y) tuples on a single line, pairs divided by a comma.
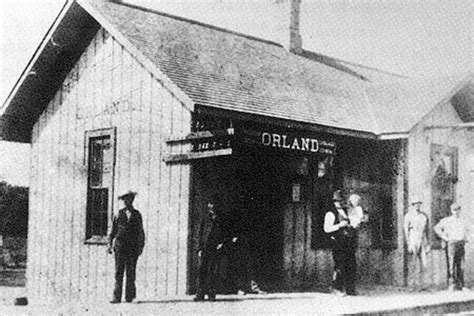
[(88, 97), (165, 187), (34, 233), (82, 113), (136, 134), (106, 272), (78, 176), (150, 229), (101, 121), (40, 206), (127, 118), (144, 176), (172, 187), (32, 210), (92, 253), (118, 120), (288, 233), (52, 197), (34, 239), (177, 129), (183, 231), (310, 259), (44, 205), (298, 245), (183, 225), (69, 207), (58, 211), (157, 167), (116, 73)]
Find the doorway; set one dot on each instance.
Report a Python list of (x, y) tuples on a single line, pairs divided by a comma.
[(252, 189)]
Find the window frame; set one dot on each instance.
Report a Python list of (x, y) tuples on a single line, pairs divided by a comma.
[(89, 135)]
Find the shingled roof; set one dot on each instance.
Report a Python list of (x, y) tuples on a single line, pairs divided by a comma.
[(226, 70), (222, 69)]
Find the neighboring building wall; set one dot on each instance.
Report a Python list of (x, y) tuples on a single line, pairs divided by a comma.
[(106, 88), (421, 175)]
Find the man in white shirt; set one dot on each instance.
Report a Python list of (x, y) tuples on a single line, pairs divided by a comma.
[(454, 232), (415, 227)]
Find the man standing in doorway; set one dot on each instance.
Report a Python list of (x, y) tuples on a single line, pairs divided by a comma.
[(126, 240), (211, 239), (454, 233), (415, 227)]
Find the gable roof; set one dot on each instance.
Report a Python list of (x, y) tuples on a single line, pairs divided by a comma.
[(210, 66), (230, 71)]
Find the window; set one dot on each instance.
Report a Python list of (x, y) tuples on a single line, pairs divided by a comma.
[(100, 153)]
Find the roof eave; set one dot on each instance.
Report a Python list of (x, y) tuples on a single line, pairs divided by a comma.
[(27, 71), (55, 56)]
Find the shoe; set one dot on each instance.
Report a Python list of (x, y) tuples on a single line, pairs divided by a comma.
[(240, 292), (212, 297), (451, 288), (466, 289), (131, 300), (114, 301), (339, 293), (255, 289), (351, 293), (198, 298)]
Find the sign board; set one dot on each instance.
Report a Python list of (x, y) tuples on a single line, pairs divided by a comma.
[(223, 142), (289, 141)]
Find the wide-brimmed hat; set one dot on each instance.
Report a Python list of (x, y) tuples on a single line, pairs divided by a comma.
[(455, 206), (337, 196), (127, 194)]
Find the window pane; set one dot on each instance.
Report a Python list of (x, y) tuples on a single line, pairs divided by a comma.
[(97, 212), (95, 162), (101, 157)]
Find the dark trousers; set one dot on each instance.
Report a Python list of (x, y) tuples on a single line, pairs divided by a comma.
[(345, 269), (208, 273), (455, 263), (125, 262), (241, 264)]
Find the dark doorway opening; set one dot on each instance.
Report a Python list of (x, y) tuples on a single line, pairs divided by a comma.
[(252, 189)]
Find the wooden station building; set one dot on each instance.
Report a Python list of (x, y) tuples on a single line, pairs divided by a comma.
[(121, 97)]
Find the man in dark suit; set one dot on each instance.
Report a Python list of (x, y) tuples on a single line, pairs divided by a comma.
[(211, 239), (344, 245), (126, 240)]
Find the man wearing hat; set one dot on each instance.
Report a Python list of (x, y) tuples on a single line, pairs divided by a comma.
[(454, 233), (126, 240), (344, 246), (415, 227)]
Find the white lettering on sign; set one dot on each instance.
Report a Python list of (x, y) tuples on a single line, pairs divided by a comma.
[(266, 139), (296, 143)]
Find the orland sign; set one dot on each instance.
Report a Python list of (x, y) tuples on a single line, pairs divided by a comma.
[(290, 141), (207, 144), (299, 143)]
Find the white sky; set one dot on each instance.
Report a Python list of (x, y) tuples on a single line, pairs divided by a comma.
[(416, 38)]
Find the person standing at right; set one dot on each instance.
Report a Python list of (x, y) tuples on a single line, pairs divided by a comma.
[(454, 233), (415, 227)]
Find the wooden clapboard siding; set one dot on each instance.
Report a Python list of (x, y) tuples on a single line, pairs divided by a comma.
[(157, 205), (107, 88)]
